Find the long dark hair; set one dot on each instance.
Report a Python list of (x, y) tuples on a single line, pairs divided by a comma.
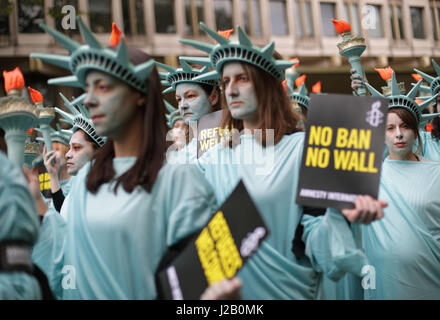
[(274, 108), (153, 143)]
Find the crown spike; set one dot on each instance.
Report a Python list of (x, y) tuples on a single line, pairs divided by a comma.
[(55, 59), (165, 83), (68, 117), (69, 81), (169, 106), (436, 67), (426, 103), (185, 66), (373, 91), (166, 67), (302, 90), (215, 35), (66, 42), (197, 60), (283, 64), (211, 75), (394, 87), (122, 53), (68, 105), (243, 38), (413, 93), (205, 47), (143, 70), (268, 50), (87, 35), (167, 90), (425, 76)]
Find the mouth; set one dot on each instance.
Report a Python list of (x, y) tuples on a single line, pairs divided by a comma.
[(187, 114), (69, 164), (96, 117), (236, 104), (400, 144)]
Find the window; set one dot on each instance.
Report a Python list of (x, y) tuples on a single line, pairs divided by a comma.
[(57, 14), (304, 22), (435, 15), (278, 18), (223, 14), (100, 15), (327, 14), (352, 16), (375, 21), (396, 22), (164, 14), (193, 14), (30, 15), (5, 10), (417, 22), (133, 13), (251, 17)]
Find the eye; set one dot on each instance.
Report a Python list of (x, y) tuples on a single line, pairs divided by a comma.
[(243, 78), (225, 81)]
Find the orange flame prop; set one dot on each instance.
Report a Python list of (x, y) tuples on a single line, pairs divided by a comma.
[(429, 127), (30, 131), (300, 80), (225, 33), (341, 26), (416, 76), (116, 35), (295, 65), (317, 87), (36, 95), (418, 101), (13, 79), (385, 73)]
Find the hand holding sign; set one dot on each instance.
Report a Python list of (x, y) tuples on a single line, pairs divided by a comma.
[(366, 210)]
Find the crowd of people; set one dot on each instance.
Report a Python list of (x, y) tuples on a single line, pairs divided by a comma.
[(122, 194)]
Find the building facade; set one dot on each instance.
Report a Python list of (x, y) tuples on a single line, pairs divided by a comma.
[(401, 33)]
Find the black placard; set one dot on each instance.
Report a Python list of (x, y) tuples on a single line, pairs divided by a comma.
[(218, 251), (343, 149)]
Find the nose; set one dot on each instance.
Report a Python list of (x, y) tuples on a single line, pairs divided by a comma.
[(398, 133), (231, 89), (90, 100), (68, 154)]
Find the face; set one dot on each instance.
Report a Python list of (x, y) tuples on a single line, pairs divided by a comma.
[(112, 103), (399, 137), (180, 129), (61, 151), (239, 91), (81, 151), (193, 101)]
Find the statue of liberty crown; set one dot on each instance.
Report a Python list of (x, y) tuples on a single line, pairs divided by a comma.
[(434, 82), (94, 56), (79, 118), (300, 96), (59, 135), (186, 74), (407, 102), (227, 51), (173, 115)]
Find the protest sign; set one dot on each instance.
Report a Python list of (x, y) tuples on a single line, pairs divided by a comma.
[(209, 132), (217, 252), (343, 149)]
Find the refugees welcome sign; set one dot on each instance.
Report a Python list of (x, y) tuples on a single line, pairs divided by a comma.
[(343, 150)]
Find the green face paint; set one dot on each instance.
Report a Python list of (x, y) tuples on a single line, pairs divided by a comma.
[(112, 104), (193, 101)]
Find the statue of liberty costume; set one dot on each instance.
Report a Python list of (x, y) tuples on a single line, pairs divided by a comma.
[(404, 246), (270, 174), (110, 246), (19, 224), (172, 78)]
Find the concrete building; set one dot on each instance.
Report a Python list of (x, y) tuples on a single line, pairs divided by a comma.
[(401, 33)]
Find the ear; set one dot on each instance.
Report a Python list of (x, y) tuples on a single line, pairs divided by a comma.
[(213, 97)]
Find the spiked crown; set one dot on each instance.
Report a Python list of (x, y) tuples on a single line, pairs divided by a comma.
[(407, 102), (186, 74), (434, 82), (79, 118), (93, 56), (231, 51), (299, 96), (173, 114)]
